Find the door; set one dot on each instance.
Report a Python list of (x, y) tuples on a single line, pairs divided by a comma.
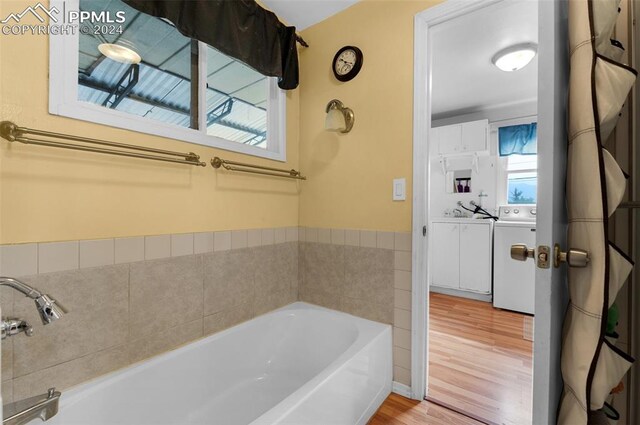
[(446, 255), (449, 139), (474, 136), (513, 281), (475, 257), (551, 296)]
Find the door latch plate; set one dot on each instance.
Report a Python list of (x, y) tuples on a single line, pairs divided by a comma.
[(543, 257)]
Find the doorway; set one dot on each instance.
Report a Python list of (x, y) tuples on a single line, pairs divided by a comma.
[(481, 174)]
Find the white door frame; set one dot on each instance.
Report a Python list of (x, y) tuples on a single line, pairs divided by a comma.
[(421, 125)]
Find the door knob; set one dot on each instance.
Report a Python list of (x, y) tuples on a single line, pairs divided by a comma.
[(573, 257), (521, 252)]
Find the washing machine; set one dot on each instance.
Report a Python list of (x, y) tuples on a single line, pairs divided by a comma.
[(514, 281)]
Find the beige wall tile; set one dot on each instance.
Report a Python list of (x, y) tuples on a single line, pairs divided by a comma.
[(268, 236), (19, 260), (254, 238), (181, 244), (58, 256), (7, 392), (319, 296), (165, 340), (352, 237), (402, 279), (368, 239), (367, 309), (280, 235), (402, 299), (7, 359), (402, 241), (163, 293), (311, 234), (337, 236), (323, 266), (402, 375), (324, 235), (402, 338), (156, 247), (228, 279), (272, 301), (403, 260), (66, 375), (302, 234), (402, 318), (202, 242), (292, 234), (384, 240), (402, 357), (96, 301), (239, 239), (369, 275), (129, 250), (221, 241), (227, 318)]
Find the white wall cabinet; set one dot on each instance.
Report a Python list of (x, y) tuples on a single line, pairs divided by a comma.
[(461, 255), (468, 137)]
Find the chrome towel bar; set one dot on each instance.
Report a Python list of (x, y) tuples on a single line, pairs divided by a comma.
[(13, 133), (256, 169)]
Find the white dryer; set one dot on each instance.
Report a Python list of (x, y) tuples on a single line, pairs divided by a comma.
[(514, 281)]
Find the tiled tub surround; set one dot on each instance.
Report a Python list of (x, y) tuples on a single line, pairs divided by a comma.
[(364, 273), (130, 299)]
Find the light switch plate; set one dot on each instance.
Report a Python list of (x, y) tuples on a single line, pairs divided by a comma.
[(399, 189)]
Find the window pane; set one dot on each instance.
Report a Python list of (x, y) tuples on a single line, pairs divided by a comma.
[(522, 188), (159, 87), (522, 162), (236, 100)]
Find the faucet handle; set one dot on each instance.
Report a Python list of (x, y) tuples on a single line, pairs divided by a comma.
[(51, 392)]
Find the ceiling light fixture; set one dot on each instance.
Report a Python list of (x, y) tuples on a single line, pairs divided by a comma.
[(515, 57), (119, 53)]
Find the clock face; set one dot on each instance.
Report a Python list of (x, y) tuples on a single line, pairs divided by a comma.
[(347, 63)]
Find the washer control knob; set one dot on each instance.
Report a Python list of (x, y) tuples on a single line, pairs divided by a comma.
[(507, 211), (533, 211), (516, 211)]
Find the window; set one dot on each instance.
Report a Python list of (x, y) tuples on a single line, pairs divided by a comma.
[(180, 88), (515, 141), (522, 179)]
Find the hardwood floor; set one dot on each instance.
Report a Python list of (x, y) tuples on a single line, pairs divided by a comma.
[(479, 361), (398, 410)]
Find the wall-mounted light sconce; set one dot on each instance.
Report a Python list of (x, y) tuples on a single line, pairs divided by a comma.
[(339, 117)]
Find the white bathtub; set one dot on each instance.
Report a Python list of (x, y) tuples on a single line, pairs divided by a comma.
[(298, 365)]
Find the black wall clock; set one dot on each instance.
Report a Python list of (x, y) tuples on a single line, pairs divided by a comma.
[(347, 63)]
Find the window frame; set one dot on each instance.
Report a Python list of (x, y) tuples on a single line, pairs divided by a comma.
[(63, 101), (502, 175)]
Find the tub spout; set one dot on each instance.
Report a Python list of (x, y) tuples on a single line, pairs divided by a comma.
[(21, 412)]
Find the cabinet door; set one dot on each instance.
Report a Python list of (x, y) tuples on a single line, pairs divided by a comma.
[(445, 255), (474, 136), (449, 139), (475, 257)]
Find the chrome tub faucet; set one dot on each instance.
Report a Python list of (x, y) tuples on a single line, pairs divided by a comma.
[(44, 406), (47, 308)]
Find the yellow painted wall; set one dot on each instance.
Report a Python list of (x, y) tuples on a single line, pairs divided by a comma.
[(351, 174), (48, 194)]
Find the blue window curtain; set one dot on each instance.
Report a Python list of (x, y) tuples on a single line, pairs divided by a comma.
[(518, 139)]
